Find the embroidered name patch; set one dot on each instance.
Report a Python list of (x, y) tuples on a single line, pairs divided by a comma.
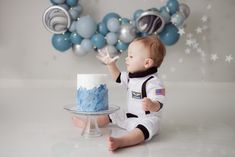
[(160, 91), (136, 95)]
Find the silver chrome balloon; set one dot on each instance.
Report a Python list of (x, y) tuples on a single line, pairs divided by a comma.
[(78, 50), (56, 19), (150, 21), (127, 33), (184, 8)]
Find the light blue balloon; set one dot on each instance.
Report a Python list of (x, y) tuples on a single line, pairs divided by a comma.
[(102, 28), (76, 38), (98, 40), (86, 26), (113, 25), (137, 13), (173, 6), (169, 35), (109, 16), (165, 15), (72, 27), (72, 2), (125, 21), (121, 46), (179, 19), (61, 42), (111, 38), (86, 45), (57, 1), (74, 14)]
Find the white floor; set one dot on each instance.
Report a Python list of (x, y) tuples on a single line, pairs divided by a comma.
[(198, 121)]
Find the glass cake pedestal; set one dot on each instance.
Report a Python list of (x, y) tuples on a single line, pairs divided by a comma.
[(91, 128)]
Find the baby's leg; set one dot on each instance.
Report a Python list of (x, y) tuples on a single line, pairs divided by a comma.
[(80, 122), (134, 137)]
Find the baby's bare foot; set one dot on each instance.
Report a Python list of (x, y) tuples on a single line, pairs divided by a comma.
[(78, 122), (113, 143)]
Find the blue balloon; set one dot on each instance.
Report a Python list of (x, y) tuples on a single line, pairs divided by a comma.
[(121, 46), (72, 27), (78, 8), (86, 45), (98, 40), (76, 38), (165, 15), (137, 13), (113, 25), (125, 21), (169, 35), (72, 2), (173, 6), (74, 14), (86, 26), (109, 16), (179, 19), (61, 42), (111, 38), (57, 1), (102, 28)]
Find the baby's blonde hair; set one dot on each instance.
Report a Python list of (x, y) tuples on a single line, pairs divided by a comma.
[(156, 49)]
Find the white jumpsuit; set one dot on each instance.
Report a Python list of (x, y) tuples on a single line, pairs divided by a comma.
[(136, 117)]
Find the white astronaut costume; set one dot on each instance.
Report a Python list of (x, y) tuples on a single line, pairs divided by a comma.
[(140, 85)]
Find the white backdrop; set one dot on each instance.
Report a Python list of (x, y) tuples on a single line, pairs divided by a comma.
[(26, 51)]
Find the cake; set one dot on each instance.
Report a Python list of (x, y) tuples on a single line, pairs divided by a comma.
[(92, 92)]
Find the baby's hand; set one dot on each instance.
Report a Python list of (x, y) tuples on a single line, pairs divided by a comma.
[(103, 56), (149, 105)]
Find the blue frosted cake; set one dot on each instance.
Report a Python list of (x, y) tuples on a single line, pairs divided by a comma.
[(92, 92)]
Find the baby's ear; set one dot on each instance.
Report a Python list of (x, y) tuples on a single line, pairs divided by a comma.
[(148, 63)]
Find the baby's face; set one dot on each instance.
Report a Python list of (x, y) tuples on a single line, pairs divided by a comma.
[(137, 54)]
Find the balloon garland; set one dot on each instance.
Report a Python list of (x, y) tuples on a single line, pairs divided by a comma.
[(83, 34)]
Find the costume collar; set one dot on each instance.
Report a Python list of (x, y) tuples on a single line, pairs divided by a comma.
[(143, 73)]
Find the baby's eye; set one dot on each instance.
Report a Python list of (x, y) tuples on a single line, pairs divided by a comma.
[(131, 56)]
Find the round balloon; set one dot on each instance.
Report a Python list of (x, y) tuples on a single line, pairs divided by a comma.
[(121, 46), (179, 19), (127, 33), (102, 28), (184, 8), (111, 38), (57, 1), (72, 2), (113, 25), (173, 6), (61, 42), (109, 16), (76, 38), (169, 35), (78, 50), (86, 45), (86, 26), (98, 40)]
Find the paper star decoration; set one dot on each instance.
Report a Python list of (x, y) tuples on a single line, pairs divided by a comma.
[(187, 51), (204, 18), (214, 57), (228, 58), (199, 30), (181, 31), (209, 7)]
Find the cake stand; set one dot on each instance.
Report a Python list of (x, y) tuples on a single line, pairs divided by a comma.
[(91, 128)]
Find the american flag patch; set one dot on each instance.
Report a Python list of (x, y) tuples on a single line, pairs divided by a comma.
[(160, 91)]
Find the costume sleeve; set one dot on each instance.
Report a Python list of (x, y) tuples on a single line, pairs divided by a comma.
[(155, 90), (122, 78)]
